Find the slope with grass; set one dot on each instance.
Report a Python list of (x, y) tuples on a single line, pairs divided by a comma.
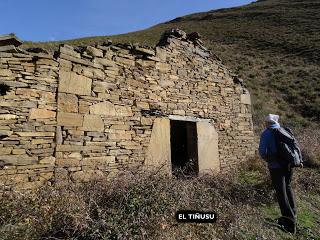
[(274, 45)]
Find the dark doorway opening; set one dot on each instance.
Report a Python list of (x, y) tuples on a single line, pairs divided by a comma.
[(184, 149), (4, 89)]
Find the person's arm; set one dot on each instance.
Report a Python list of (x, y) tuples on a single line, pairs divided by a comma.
[(263, 146)]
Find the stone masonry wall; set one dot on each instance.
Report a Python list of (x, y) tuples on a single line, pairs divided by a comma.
[(27, 119), (90, 110)]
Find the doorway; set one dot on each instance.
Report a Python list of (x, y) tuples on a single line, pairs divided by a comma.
[(184, 149)]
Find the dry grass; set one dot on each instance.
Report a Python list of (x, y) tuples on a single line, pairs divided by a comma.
[(142, 206), (309, 140)]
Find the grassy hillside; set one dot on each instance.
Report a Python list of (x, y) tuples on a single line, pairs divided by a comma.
[(273, 45)]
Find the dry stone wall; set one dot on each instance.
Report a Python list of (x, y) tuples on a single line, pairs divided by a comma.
[(27, 118), (89, 111)]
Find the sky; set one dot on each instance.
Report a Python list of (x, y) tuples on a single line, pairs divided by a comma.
[(52, 20)]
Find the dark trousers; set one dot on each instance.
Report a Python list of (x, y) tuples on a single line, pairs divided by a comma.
[(281, 179)]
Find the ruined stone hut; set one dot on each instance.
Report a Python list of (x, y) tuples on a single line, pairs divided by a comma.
[(86, 112)]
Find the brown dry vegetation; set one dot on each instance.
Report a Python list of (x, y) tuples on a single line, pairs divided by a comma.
[(142, 206), (309, 141)]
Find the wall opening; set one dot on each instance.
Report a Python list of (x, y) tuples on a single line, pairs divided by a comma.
[(184, 149), (4, 89)]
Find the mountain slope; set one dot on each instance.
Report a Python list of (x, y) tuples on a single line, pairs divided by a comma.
[(273, 45)]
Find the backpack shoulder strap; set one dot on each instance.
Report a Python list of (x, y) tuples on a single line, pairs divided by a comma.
[(288, 130), (275, 131)]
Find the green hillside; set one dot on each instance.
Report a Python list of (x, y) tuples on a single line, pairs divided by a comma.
[(273, 45)]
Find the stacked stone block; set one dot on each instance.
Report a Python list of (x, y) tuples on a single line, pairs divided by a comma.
[(27, 118), (89, 112)]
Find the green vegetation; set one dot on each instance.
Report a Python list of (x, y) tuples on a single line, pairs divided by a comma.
[(308, 217), (273, 45)]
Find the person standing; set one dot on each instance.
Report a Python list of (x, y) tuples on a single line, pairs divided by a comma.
[(280, 173)]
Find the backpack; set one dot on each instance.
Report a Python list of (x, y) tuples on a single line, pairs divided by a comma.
[(288, 151)]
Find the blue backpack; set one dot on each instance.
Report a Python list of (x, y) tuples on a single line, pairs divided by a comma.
[(288, 150)]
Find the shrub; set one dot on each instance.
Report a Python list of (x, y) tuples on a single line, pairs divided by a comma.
[(309, 141)]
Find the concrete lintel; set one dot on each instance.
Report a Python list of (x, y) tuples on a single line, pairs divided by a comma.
[(189, 118)]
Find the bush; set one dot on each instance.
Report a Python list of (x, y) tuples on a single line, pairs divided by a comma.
[(309, 141)]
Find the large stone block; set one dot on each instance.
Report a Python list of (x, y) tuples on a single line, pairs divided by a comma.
[(18, 151), (18, 160), (68, 162), (59, 138), (48, 160), (93, 123), (46, 176), (145, 50), (6, 150), (161, 53), (75, 155), (105, 62), (120, 127), (145, 63), (35, 134), (94, 51), (103, 108), (37, 113), (120, 136), (5, 72), (67, 103), (76, 148), (14, 84), (28, 92), (163, 67), (146, 121), (6, 133), (159, 153), (103, 86), (123, 111), (166, 83), (71, 82), (69, 119), (95, 161), (142, 105), (22, 104), (208, 148), (246, 99), (124, 61), (8, 116)]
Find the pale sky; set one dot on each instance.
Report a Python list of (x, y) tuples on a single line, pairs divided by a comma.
[(48, 20)]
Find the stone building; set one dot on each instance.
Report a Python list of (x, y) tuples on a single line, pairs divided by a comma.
[(86, 112)]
